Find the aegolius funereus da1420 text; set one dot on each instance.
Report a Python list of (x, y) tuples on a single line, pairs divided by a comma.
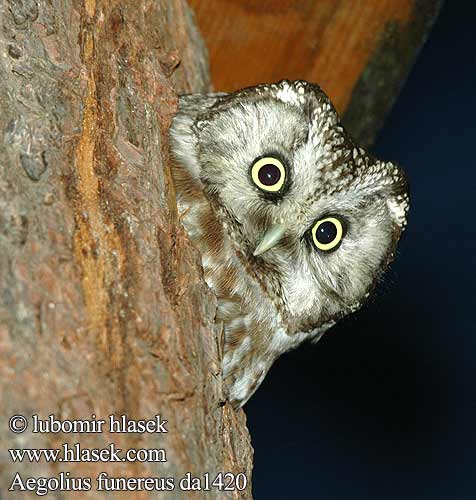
[(294, 222)]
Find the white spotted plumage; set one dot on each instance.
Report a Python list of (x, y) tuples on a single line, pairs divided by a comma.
[(272, 298)]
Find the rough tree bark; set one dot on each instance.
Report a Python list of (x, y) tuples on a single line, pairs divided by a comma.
[(102, 306)]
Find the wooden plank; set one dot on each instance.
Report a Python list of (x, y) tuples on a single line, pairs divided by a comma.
[(331, 42)]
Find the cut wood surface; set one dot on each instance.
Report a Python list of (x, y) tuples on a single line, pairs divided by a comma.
[(103, 309), (358, 51)]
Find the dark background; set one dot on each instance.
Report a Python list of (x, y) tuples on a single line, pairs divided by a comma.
[(384, 406)]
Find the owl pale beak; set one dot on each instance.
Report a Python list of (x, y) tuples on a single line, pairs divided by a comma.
[(272, 236)]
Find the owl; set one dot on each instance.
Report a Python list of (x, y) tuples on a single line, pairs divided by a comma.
[(295, 224)]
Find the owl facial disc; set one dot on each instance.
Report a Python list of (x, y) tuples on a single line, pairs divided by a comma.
[(272, 236), (271, 167)]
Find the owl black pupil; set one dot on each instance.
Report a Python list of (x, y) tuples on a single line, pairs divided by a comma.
[(326, 233), (269, 174)]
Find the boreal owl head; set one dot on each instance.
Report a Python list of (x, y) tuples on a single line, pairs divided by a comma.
[(295, 223)]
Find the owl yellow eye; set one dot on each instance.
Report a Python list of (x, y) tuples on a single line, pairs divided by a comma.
[(268, 174), (327, 234)]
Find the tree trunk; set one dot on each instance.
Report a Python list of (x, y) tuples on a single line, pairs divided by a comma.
[(103, 309)]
